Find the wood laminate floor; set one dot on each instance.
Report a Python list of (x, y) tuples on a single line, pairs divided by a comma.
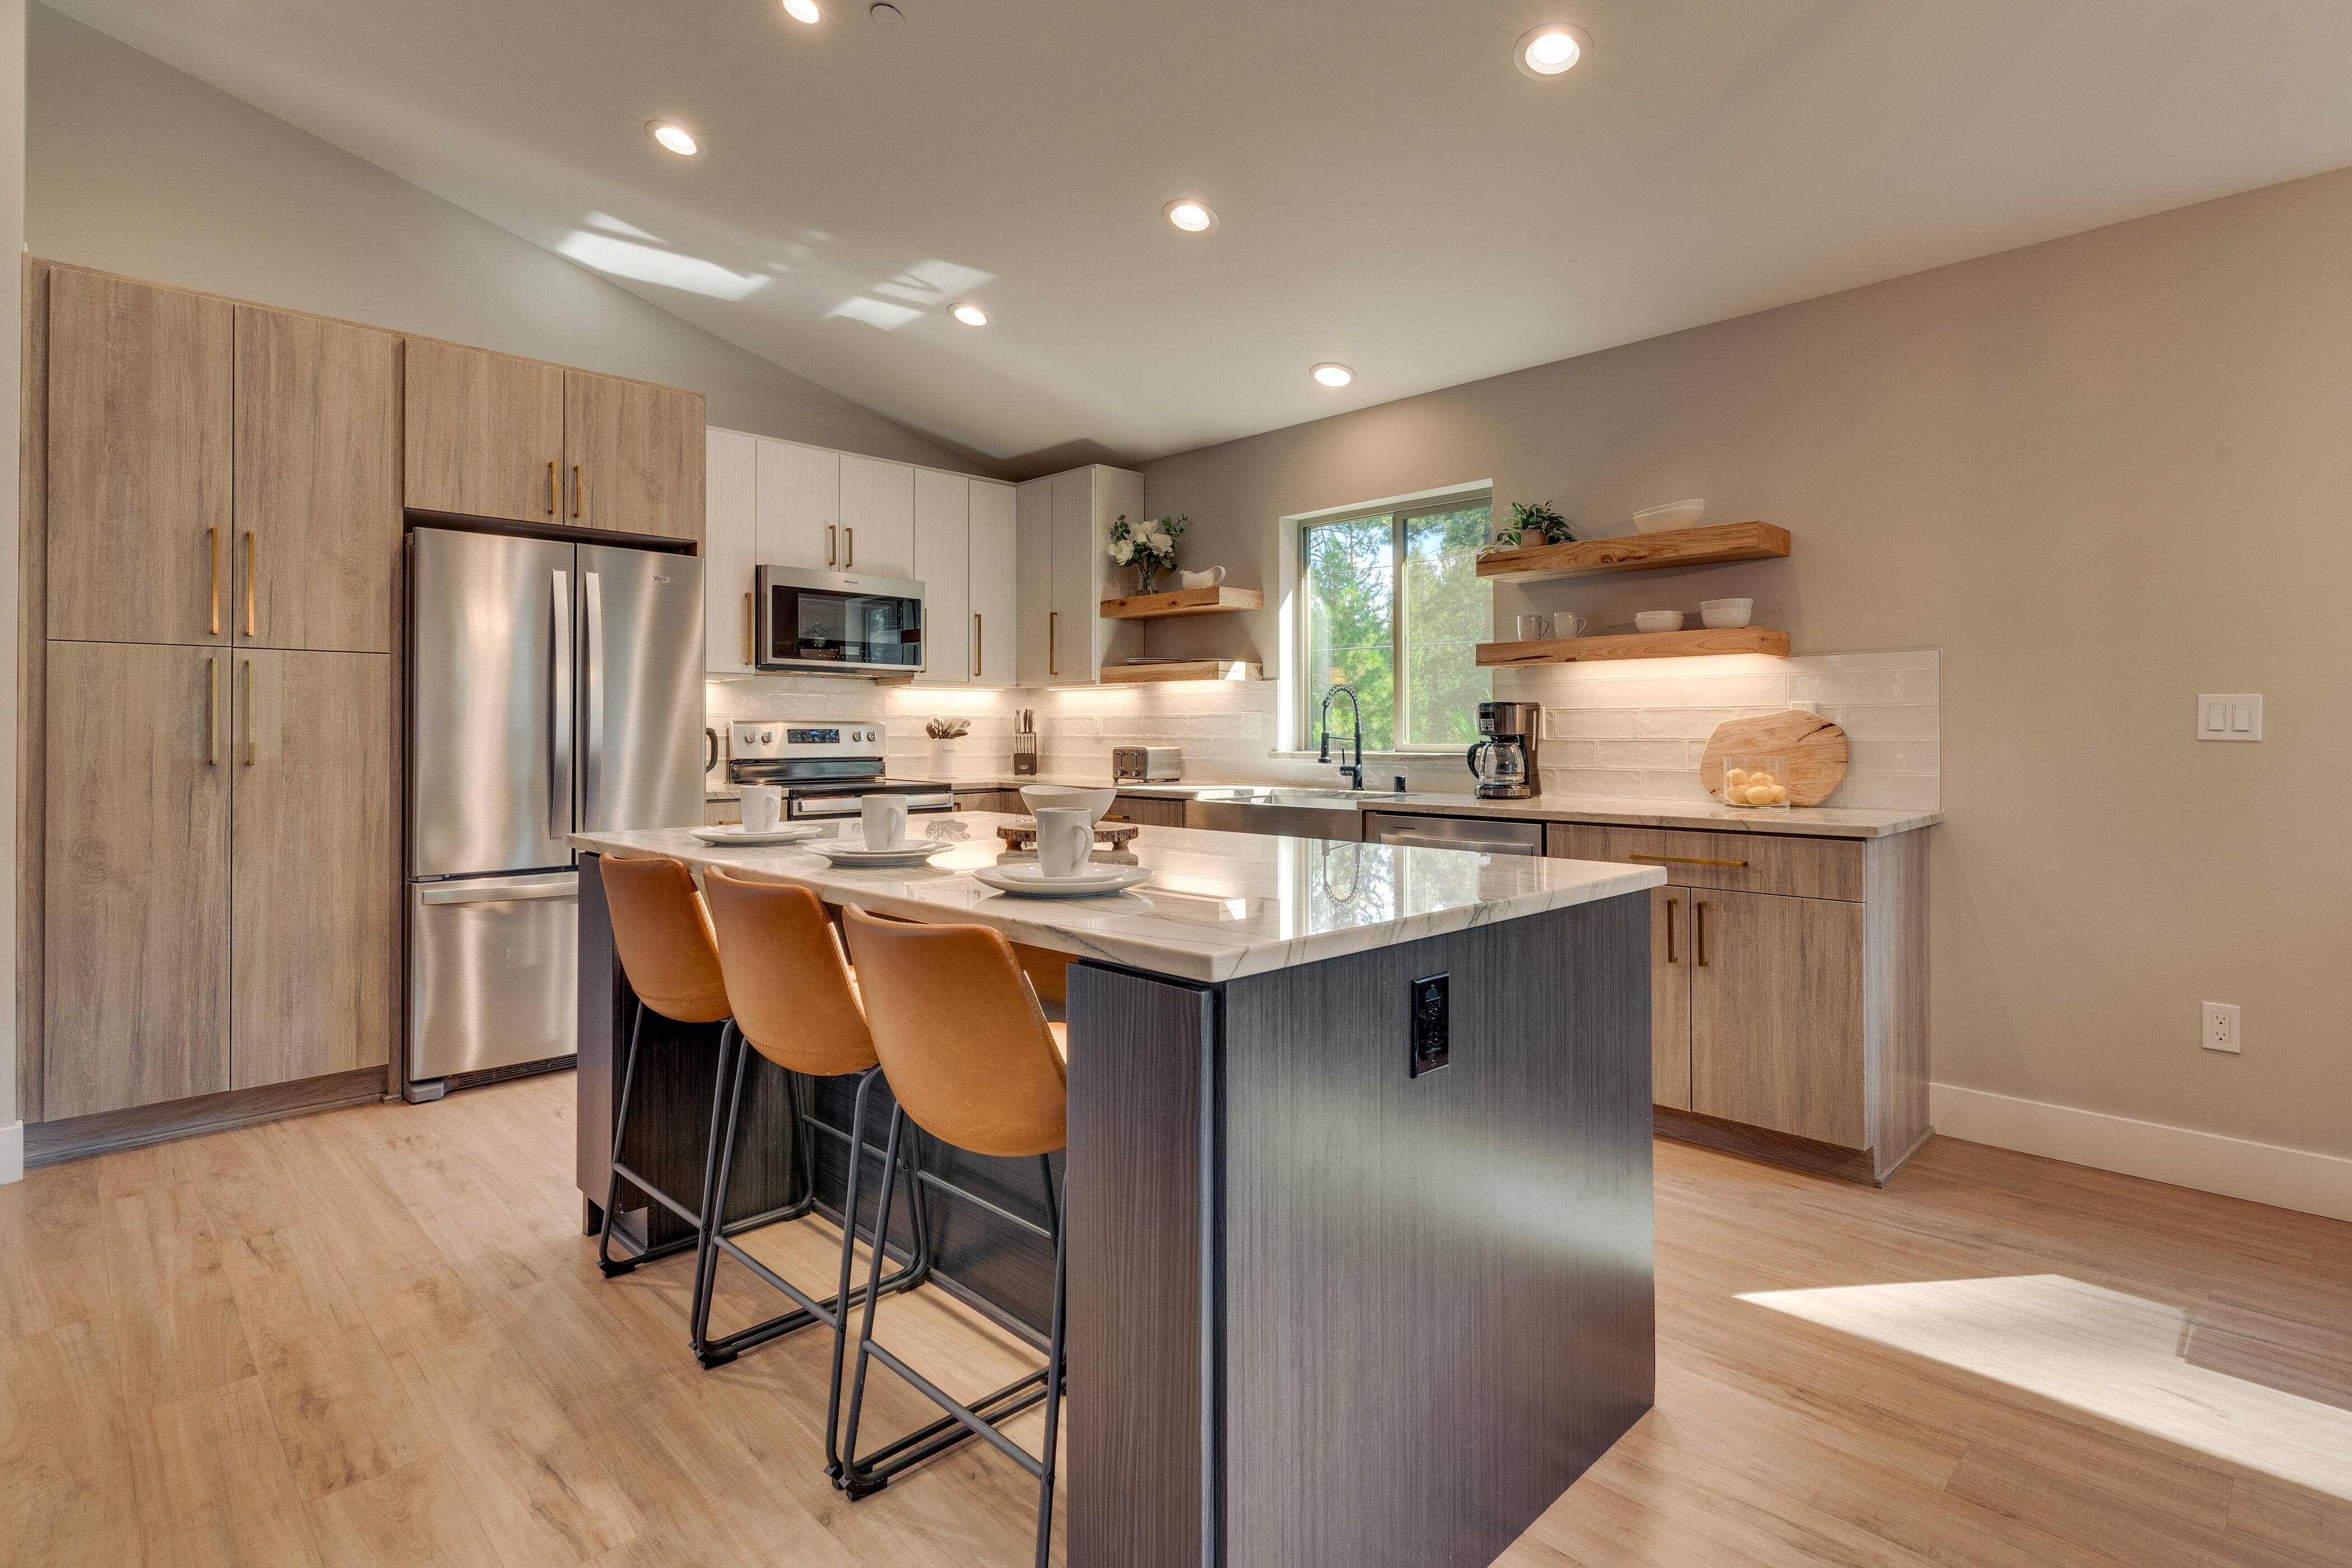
[(374, 1337)]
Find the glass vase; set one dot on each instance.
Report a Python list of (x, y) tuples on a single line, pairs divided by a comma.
[(1144, 576)]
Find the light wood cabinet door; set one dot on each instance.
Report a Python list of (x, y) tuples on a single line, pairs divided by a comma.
[(994, 598), (1146, 811), (485, 433), (136, 891), (317, 539), (729, 548), (633, 456), (1670, 998), (141, 389), (315, 865), (799, 506), (1776, 1014), (877, 517), (943, 565)]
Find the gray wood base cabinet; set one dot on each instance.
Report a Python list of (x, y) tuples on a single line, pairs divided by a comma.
[(1789, 1003)]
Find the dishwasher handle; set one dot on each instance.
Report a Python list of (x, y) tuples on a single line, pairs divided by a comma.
[(1476, 846), (567, 887)]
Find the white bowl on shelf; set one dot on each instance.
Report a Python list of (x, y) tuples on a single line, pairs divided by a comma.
[(1674, 514), (1658, 621), (1056, 797), (1721, 613)]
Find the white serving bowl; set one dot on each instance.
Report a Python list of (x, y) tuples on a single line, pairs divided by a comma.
[(1724, 611), (1056, 797), (1674, 514), (1658, 621)]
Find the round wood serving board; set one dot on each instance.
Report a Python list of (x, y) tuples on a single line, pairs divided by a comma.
[(1812, 748)]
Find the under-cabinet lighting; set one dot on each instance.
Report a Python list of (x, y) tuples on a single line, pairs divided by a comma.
[(675, 138)]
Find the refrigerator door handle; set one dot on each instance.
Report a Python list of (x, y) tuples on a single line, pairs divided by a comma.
[(591, 813), (567, 887), (558, 706)]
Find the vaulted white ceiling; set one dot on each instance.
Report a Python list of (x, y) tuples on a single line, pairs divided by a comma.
[(1392, 192)]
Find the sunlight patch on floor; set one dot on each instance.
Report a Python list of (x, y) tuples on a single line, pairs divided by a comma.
[(2111, 1355)]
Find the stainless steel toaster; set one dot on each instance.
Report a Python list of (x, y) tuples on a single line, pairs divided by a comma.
[(1146, 764)]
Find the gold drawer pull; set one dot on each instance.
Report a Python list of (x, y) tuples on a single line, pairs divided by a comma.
[(1685, 860), (1110, 817)]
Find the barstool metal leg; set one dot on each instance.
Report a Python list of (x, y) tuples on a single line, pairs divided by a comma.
[(848, 1250), (604, 1260)]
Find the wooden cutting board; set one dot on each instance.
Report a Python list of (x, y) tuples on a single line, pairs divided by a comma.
[(1812, 748)]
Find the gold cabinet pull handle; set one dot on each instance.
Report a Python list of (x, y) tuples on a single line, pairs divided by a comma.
[(849, 548), (214, 535), (211, 712), (248, 713), (1672, 905), (976, 659), (1052, 626), (751, 637), (550, 489), (1702, 933), (579, 491), (249, 557), (831, 545), (1685, 860)]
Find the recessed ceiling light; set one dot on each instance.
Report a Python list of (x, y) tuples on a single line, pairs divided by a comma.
[(675, 138), (969, 315), (1331, 375), (801, 10), (1549, 50), (887, 16), (1190, 215)]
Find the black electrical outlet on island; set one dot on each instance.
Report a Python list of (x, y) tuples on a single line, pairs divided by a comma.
[(1432, 1045)]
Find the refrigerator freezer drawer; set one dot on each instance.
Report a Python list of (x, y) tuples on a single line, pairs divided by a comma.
[(493, 972)]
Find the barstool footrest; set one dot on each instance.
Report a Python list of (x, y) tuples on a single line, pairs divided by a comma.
[(962, 1421)]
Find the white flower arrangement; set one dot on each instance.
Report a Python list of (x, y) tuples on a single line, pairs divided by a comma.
[(1150, 545)]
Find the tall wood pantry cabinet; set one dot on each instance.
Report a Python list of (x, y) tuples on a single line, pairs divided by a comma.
[(222, 519), (1788, 990), (780, 504)]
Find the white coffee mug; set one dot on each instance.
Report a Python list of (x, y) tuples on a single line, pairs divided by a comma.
[(1209, 579), (763, 804), (1065, 840), (885, 819), (1533, 628), (1565, 625)]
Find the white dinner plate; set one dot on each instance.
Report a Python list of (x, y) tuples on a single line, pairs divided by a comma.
[(859, 855), (735, 833), (1030, 881)]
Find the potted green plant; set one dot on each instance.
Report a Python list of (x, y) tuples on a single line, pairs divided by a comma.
[(1538, 519), (1149, 547)]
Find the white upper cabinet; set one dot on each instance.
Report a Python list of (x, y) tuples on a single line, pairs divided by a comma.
[(942, 563), (877, 517), (1064, 523), (993, 596), (799, 506), (729, 547)]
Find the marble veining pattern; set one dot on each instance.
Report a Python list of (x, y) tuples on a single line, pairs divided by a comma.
[(1219, 905)]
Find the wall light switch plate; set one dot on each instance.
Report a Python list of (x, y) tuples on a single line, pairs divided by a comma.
[(2229, 716), (2222, 1029)]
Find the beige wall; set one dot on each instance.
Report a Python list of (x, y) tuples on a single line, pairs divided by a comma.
[(136, 168), (2102, 475)]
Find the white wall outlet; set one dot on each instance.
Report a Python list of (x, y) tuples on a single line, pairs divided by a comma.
[(2229, 716), (2221, 1030)]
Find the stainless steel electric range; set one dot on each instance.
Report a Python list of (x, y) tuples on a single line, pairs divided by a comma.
[(824, 766)]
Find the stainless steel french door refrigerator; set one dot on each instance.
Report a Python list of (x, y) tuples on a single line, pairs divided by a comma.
[(552, 685)]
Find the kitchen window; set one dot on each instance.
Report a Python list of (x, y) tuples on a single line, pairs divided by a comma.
[(1391, 604)]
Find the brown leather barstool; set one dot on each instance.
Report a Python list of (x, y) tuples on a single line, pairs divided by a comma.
[(796, 1003), (973, 1061), (668, 952)]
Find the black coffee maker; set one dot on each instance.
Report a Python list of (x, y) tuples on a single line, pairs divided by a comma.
[(1503, 763)]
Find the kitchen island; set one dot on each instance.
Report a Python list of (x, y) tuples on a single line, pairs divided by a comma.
[(1342, 1291)]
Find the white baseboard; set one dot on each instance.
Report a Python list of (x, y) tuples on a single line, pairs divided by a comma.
[(11, 1152), (2209, 1161)]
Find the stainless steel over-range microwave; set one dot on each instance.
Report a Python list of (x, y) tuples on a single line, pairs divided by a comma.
[(835, 622)]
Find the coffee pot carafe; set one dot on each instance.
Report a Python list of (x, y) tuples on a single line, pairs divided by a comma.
[(1503, 763)]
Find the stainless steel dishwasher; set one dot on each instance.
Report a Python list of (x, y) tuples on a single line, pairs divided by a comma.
[(1479, 835)]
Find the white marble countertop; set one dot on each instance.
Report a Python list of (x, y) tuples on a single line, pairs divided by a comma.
[(1219, 905)]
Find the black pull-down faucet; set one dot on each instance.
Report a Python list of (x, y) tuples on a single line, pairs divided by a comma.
[(1355, 770)]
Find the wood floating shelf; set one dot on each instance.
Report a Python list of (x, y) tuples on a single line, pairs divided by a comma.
[(1218, 601), (1183, 669), (1699, 643), (1636, 552)]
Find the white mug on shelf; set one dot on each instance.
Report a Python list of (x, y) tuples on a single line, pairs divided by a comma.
[(763, 804), (1565, 625), (1065, 840), (1533, 628), (1209, 579), (884, 818)]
